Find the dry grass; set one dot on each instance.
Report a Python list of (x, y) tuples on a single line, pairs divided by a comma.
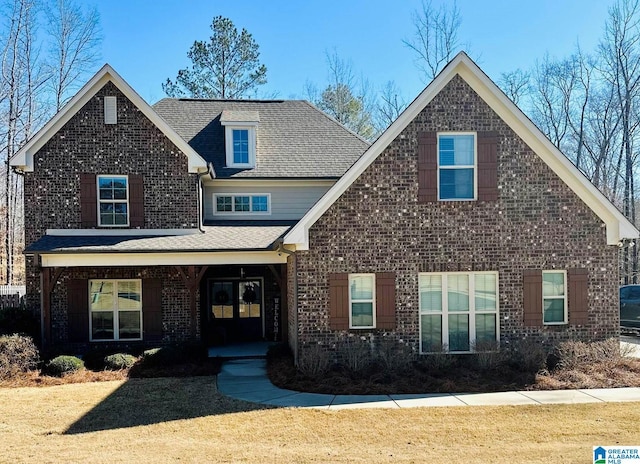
[(184, 419)]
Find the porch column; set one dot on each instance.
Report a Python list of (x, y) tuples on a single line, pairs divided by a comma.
[(192, 275), (49, 278)]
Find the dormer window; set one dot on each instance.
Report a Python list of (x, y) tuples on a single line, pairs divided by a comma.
[(240, 137)]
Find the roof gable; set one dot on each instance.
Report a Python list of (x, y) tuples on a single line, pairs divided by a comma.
[(618, 227), (23, 159)]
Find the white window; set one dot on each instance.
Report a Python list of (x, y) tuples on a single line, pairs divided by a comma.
[(116, 309), (362, 301), (240, 146), (458, 311), (113, 201), (457, 166), (554, 297), (231, 203)]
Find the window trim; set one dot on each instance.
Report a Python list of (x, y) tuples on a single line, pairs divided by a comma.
[(564, 297), (251, 140), (445, 311), (372, 301), (475, 164), (100, 201), (115, 311), (241, 213)]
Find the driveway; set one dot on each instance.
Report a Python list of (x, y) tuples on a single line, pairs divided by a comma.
[(631, 343)]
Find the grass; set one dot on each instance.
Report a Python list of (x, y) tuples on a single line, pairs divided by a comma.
[(185, 419)]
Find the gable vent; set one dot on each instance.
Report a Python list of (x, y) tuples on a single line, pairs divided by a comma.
[(110, 110)]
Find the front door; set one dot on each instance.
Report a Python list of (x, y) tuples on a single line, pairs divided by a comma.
[(235, 310)]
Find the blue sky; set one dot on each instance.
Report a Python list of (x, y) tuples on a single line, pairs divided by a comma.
[(147, 41)]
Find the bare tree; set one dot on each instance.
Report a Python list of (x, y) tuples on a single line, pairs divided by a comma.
[(25, 96), (515, 84), (390, 105), (620, 50), (75, 38), (347, 99), (435, 39)]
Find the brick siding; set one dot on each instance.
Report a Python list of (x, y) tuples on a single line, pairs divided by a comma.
[(132, 146), (377, 225)]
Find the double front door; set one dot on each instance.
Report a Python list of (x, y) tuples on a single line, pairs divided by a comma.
[(236, 310)]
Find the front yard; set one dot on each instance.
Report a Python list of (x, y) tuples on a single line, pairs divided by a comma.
[(185, 419)]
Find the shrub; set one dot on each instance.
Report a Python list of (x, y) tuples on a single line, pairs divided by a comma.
[(18, 354), (488, 356), (573, 354), (526, 355), (118, 361), (173, 354), (356, 354), (438, 359), (314, 361), (18, 320), (62, 365), (393, 355)]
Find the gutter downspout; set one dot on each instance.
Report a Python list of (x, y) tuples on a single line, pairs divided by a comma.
[(208, 172)]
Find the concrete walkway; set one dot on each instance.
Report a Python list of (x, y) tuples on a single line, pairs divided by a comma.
[(246, 379)]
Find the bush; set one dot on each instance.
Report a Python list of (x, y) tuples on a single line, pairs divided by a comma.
[(393, 355), (356, 354), (18, 320), (574, 354), (314, 361), (18, 354), (119, 361), (488, 356), (62, 365), (173, 354), (526, 355)]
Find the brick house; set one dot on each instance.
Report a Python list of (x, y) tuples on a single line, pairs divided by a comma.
[(461, 225)]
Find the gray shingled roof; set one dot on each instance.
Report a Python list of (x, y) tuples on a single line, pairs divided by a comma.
[(215, 238), (294, 139)]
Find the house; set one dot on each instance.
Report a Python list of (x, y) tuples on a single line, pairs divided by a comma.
[(461, 226), (156, 225)]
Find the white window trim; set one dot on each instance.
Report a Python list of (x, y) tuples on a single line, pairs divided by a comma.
[(115, 311), (241, 213), (372, 300), (472, 311), (100, 176), (251, 136), (475, 164), (564, 297)]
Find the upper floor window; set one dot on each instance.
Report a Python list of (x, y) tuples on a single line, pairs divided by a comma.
[(456, 167), (240, 146), (240, 137), (113, 201), (238, 203)]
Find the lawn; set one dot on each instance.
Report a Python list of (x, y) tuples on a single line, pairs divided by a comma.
[(185, 419)]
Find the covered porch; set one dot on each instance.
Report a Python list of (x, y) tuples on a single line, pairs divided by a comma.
[(190, 287)]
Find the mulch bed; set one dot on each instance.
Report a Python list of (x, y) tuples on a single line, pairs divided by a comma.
[(459, 378)]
